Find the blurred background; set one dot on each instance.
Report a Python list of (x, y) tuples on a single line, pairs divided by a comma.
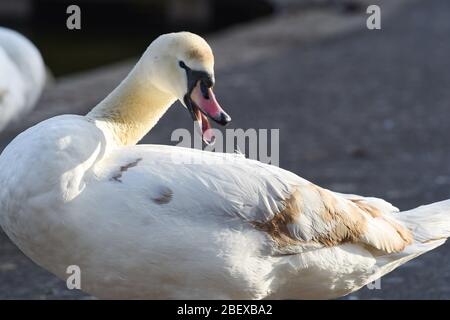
[(359, 111), (116, 29)]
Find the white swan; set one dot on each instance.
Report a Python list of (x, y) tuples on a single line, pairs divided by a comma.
[(22, 75), (140, 223)]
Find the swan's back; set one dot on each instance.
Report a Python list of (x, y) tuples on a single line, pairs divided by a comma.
[(22, 75)]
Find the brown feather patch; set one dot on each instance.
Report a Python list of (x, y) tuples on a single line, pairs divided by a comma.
[(374, 212), (346, 226), (332, 221), (349, 225), (370, 209), (164, 197), (277, 226), (117, 177)]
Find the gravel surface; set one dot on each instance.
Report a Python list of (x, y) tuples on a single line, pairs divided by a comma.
[(362, 112)]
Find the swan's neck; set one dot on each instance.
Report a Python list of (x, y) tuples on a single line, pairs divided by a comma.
[(132, 109)]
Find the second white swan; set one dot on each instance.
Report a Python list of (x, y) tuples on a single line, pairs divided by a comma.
[(22, 75)]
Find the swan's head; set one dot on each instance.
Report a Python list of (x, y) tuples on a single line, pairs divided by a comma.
[(183, 65)]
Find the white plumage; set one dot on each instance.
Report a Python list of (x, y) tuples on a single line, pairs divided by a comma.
[(151, 221)]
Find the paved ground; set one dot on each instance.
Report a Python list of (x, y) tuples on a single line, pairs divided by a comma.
[(364, 112)]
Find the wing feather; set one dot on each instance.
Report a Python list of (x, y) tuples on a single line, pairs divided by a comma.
[(288, 209)]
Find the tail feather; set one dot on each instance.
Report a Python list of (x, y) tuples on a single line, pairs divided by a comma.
[(428, 223), (430, 226)]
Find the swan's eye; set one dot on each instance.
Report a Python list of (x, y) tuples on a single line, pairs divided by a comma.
[(183, 65)]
